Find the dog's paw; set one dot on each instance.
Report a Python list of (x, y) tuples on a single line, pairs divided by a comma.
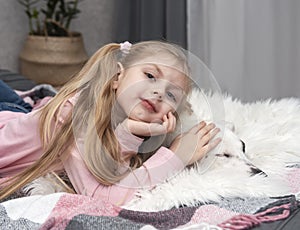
[(44, 185)]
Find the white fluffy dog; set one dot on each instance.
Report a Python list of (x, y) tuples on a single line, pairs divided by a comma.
[(258, 140)]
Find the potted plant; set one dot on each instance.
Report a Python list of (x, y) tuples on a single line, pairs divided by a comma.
[(51, 53)]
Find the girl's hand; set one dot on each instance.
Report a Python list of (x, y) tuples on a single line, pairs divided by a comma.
[(192, 145), (141, 128)]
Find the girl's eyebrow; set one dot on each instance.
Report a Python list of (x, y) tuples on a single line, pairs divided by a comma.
[(160, 73), (156, 68)]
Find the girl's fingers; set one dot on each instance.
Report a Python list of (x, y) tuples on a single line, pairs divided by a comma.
[(211, 145), (165, 118), (206, 144), (210, 135), (172, 122), (195, 129), (214, 133), (204, 130), (205, 149), (166, 123), (169, 122)]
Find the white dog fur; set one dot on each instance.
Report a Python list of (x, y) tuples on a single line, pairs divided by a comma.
[(270, 130)]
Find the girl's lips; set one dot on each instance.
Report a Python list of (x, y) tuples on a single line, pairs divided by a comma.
[(148, 105)]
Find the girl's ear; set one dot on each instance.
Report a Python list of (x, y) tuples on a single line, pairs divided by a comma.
[(120, 75)]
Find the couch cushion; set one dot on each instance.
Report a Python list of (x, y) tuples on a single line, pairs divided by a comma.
[(15, 80)]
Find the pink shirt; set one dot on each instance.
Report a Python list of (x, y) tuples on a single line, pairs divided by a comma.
[(20, 146)]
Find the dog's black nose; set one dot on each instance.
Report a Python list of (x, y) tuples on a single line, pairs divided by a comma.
[(243, 146)]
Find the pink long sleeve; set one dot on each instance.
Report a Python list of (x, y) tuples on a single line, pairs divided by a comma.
[(20, 146), (20, 143), (163, 164)]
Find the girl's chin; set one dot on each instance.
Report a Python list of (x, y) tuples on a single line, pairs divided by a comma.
[(143, 116)]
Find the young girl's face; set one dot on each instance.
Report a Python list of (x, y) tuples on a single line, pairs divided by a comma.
[(147, 92)]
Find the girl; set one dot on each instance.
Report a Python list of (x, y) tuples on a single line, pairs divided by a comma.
[(104, 127)]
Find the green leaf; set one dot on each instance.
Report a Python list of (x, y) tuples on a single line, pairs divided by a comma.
[(56, 15), (35, 13)]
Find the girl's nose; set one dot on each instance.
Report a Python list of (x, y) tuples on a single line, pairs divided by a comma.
[(157, 94)]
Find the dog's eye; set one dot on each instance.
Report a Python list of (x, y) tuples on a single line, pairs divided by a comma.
[(243, 146), (254, 171), (227, 155)]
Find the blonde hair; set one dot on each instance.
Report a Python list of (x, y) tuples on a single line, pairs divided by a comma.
[(91, 113)]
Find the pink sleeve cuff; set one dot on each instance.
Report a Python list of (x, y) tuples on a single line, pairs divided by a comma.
[(128, 141), (163, 164)]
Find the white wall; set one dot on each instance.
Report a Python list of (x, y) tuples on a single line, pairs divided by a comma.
[(12, 33), (95, 22), (252, 47)]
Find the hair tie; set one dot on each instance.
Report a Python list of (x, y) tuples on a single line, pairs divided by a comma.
[(125, 47)]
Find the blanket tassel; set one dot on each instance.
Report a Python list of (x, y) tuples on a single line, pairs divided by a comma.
[(250, 221)]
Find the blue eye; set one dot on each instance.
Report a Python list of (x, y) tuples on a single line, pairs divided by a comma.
[(171, 96)]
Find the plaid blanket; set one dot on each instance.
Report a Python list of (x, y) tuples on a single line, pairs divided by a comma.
[(69, 211)]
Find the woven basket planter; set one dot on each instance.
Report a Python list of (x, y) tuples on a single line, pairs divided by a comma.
[(52, 60)]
